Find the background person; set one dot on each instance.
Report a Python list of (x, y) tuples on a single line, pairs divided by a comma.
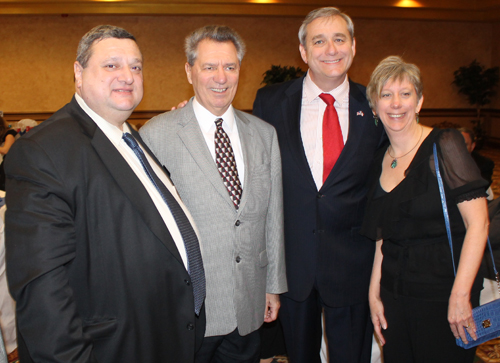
[(7, 138), (414, 297), (485, 164), (7, 304)]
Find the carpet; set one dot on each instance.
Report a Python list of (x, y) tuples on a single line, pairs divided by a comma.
[(489, 352)]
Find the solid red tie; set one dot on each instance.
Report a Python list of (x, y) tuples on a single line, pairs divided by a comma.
[(333, 142)]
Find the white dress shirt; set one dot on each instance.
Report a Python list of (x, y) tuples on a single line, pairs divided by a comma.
[(311, 122), (206, 120), (7, 304), (114, 134)]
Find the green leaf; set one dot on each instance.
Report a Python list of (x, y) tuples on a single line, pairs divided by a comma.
[(278, 74)]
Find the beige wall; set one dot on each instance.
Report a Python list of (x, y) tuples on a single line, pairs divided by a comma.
[(37, 53), (495, 57)]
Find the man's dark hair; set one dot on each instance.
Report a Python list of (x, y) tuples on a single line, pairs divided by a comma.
[(95, 35)]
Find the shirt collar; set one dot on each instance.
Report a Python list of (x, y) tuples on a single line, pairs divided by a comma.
[(206, 119), (312, 92), (111, 131)]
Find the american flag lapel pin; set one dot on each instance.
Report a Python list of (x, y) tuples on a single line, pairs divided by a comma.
[(360, 113)]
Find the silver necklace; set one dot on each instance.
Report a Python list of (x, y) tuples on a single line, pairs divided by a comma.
[(394, 162)]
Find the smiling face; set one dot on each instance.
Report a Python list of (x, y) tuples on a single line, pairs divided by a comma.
[(111, 84), (329, 51), (214, 75), (397, 105)]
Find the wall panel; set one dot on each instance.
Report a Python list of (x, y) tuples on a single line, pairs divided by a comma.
[(37, 53)]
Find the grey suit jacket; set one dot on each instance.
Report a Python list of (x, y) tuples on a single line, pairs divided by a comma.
[(242, 249)]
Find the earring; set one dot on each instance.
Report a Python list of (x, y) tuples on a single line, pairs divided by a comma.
[(417, 117), (375, 118)]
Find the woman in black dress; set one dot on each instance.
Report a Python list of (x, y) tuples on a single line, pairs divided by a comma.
[(418, 307)]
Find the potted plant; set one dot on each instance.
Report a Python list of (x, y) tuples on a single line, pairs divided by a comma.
[(278, 74), (478, 84)]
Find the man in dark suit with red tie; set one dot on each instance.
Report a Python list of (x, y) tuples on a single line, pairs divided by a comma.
[(327, 138), (99, 245)]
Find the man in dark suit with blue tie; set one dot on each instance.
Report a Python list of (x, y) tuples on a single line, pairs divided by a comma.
[(102, 257), (326, 154)]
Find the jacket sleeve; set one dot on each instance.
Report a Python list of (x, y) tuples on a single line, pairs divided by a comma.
[(276, 272), (257, 105), (40, 244)]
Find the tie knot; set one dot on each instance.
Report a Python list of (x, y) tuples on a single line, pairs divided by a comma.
[(129, 140), (327, 98), (218, 122)]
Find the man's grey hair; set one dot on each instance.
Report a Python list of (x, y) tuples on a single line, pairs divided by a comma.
[(216, 33), (327, 12), (95, 35)]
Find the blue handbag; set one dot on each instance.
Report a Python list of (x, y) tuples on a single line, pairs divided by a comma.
[(487, 316)]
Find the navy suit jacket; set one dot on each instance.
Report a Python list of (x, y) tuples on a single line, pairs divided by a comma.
[(323, 247)]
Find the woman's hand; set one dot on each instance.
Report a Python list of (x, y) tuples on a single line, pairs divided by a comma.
[(378, 317), (376, 305), (460, 317)]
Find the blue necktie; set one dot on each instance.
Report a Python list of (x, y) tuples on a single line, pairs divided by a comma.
[(195, 263)]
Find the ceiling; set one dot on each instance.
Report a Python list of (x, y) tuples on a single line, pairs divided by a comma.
[(472, 10)]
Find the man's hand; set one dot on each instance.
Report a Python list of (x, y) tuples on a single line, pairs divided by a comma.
[(272, 306), (180, 105)]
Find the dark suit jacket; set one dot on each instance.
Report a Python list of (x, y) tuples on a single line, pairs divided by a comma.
[(322, 241), (95, 272)]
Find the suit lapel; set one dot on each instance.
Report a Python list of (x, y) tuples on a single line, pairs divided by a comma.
[(246, 134), (291, 110), (194, 141), (127, 180)]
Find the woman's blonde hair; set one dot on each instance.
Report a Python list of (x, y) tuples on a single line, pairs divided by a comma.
[(395, 69)]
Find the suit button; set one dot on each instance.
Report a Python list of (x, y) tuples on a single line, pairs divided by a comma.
[(319, 196), (237, 223), (238, 259), (190, 326), (187, 282)]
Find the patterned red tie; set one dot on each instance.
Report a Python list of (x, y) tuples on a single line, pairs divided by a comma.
[(333, 142), (224, 158)]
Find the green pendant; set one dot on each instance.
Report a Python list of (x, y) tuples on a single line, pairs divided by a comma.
[(394, 163)]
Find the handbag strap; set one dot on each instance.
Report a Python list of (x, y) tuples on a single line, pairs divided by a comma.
[(447, 218)]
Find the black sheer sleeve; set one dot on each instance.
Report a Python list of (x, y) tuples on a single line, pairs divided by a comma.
[(460, 172)]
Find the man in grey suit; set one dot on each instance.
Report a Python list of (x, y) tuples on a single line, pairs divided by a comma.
[(226, 166)]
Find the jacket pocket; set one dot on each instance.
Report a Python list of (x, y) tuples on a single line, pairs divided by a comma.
[(101, 329), (263, 262)]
